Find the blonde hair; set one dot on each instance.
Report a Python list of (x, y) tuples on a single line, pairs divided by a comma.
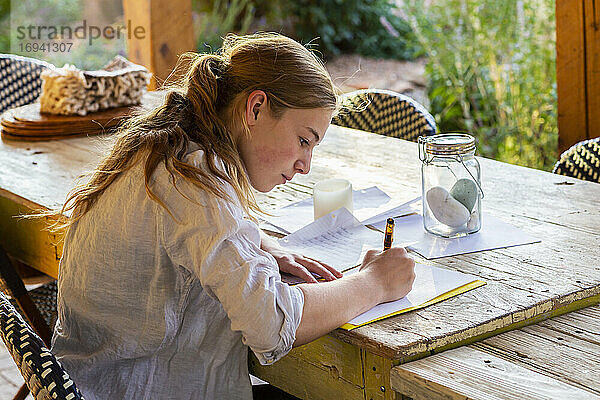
[(199, 109)]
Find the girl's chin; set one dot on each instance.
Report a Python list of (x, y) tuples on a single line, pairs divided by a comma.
[(264, 188)]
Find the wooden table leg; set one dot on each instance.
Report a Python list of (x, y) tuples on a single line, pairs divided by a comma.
[(322, 369), (377, 377), (27, 240)]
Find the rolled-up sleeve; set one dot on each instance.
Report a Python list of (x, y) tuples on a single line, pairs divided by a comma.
[(290, 301), (215, 242), (246, 281)]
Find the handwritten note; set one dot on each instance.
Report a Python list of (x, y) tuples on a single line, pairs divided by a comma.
[(341, 240), (337, 239)]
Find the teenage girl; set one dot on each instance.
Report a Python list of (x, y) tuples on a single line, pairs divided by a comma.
[(165, 280)]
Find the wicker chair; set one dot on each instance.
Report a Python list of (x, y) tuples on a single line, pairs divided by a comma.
[(43, 374), (37, 305), (20, 84), (386, 113), (20, 81), (581, 161)]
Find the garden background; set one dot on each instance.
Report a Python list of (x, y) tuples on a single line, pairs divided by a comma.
[(490, 65)]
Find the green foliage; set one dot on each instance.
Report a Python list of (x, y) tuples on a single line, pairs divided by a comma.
[(87, 57), (367, 27), (59, 13), (223, 17), (492, 73), (4, 26)]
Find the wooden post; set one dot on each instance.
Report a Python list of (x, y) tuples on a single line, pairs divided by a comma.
[(577, 70), (592, 63), (161, 30)]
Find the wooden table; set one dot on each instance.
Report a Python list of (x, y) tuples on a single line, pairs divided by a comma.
[(558, 358), (526, 284)]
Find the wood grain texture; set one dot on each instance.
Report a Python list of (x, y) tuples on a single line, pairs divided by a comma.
[(592, 63), (336, 365), (564, 357), (140, 50), (468, 373), (377, 377), (584, 324), (526, 284), (341, 360), (571, 73), (556, 358), (168, 33)]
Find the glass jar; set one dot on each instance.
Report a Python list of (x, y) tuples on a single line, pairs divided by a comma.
[(451, 184)]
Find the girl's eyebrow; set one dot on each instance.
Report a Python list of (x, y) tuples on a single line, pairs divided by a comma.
[(311, 130)]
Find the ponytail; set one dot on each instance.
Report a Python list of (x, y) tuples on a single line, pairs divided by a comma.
[(199, 109)]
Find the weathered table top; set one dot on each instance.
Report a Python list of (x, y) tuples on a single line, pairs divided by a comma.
[(558, 358), (525, 283)]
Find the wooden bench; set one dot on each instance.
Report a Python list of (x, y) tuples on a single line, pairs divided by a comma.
[(554, 359)]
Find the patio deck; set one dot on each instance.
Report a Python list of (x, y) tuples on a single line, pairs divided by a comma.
[(10, 377)]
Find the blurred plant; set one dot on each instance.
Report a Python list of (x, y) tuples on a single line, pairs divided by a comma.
[(4, 26), (62, 13), (87, 57), (366, 27), (491, 73), (224, 16)]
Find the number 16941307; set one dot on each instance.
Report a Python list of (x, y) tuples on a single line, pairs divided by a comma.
[(46, 47)]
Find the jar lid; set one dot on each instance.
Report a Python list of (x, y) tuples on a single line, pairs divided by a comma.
[(449, 144)]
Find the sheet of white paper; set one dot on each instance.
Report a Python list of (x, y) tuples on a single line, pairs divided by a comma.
[(494, 234), (290, 218), (369, 204), (430, 282), (337, 239), (394, 211)]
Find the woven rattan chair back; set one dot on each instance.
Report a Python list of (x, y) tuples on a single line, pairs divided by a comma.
[(581, 161), (385, 112), (37, 305), (20, 81), (43, 374)]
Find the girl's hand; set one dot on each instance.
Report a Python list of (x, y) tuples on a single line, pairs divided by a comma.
[(392, 271), (296, 264)]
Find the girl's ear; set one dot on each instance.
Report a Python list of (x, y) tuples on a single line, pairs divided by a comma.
[(256, 105)]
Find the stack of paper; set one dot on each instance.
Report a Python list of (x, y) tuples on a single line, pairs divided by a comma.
[(373, 207), (494, 234), (369, 206), (337, 239), (341, 240)]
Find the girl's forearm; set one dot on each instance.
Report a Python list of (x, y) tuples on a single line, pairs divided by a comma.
[(329, 305)]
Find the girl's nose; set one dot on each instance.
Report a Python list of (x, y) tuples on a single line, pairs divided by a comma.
[(303, 165)]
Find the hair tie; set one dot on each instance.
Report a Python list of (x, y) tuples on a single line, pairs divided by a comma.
[(220, 66)]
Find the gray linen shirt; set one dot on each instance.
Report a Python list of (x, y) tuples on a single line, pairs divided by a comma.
[(160, 306)]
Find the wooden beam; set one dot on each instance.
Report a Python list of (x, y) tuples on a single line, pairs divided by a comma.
[(570, 73), (592, 63), (160, 31), (336, 365), (577, 70)]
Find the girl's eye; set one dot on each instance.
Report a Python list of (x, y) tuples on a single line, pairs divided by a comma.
[(303, 142)]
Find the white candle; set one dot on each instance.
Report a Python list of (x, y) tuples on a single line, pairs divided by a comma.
[(330, 195)]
